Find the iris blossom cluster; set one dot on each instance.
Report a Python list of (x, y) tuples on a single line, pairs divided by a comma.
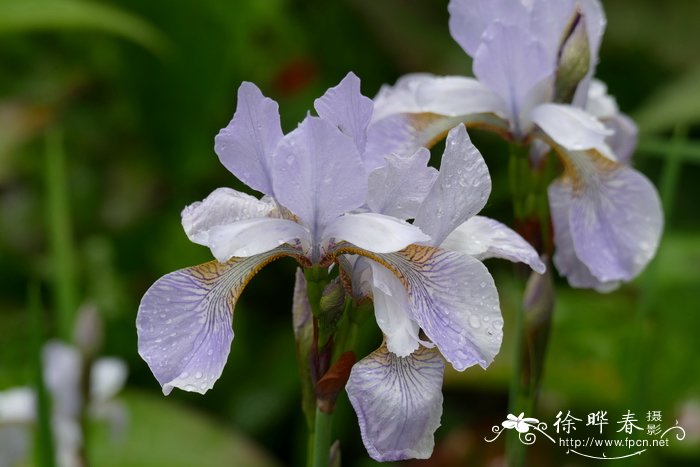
[(335, 199), (534, 62)]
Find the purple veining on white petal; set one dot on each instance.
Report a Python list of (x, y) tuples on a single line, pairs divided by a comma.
[(184, 321), (454, 300), (398, 402)]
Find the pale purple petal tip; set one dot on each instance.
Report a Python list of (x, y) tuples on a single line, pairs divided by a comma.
[(246, 145), (484, 238), (345, 107), (460, 191), (398, 402)]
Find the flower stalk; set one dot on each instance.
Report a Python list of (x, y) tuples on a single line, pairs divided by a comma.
[(533, 317)]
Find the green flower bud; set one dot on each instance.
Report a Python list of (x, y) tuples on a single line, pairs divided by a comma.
[(573, 59)]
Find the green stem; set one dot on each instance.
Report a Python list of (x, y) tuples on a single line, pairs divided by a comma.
[(321, 444), (60, 235), (515, 450)]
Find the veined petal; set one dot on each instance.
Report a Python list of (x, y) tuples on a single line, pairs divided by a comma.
[(184, 320), (318, 174), (398, 402), (514, 64), (565, 259), (246, 145), (460, 191), (398, 188), (374, 232), (453, 299), (571, 128), (615, 217), (392, 310), (254, 236), (345, 107), (484, 238), (223, 206)]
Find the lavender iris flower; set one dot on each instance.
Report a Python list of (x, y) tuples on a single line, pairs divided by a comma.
[(533, 62), (396, 391), (312, 179)]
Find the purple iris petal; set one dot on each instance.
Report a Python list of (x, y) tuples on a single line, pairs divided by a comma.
[(460, 191), (454, 300), (616, 223), (484, 238), (345, 107), (246, 145), (398, 402), (514, 64), (470, 18), (398, 188), (318, 174), (565, 259), (184, 321)]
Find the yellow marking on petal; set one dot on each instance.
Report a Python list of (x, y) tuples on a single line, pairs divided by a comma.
[(572, 173), (435, 127), (211, 271)]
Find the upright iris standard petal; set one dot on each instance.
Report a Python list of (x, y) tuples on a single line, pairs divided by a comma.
[(513, 63), (374, 232), (470, 18), (460, 191), (398, 188), (246, 145), (484, 238), (398, 402), (318, 174), (345, 107), (184, 320), (223, 206)]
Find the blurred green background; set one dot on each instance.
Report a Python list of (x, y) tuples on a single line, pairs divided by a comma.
[(108, 111)]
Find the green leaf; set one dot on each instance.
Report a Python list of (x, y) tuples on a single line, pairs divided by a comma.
[(162, 433), (40, 15)]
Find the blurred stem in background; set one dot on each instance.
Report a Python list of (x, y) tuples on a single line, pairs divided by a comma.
[(533, 318), (44, 451), (641, 347), (62, 252)]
